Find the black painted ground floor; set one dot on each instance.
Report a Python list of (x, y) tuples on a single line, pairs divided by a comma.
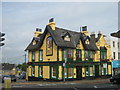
[(69, 71)]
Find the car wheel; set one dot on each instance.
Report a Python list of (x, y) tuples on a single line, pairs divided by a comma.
[(15, 80), (115, 81)]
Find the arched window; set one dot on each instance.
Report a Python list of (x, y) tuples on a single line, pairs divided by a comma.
[(49, 46)]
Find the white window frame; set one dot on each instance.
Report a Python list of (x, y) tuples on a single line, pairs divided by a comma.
[(33, 55), (91, 71), (40, 70), (34, 71), (52, 73), (40, 55)]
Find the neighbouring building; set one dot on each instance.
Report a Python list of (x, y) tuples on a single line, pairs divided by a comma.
[(8, 69), (114, 42), (61, 54)]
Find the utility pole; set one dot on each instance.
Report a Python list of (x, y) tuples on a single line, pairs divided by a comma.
[(25, 58), (64, 65)]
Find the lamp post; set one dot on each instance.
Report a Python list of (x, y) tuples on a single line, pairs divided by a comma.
[(64, 65)]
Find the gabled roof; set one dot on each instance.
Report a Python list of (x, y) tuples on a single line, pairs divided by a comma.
[(57, 35), (90, 46), (6, 66), (34, 47), (116, 34)]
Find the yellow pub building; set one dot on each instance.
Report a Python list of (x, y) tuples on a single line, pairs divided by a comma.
[(61, 54)]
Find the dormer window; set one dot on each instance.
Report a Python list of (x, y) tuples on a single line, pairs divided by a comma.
[(34, 42), (87, 41), (66, 37)]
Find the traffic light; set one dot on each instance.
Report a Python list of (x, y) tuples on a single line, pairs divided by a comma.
[(2, 39)]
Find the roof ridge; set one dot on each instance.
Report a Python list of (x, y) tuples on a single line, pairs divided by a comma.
[(68, 30)]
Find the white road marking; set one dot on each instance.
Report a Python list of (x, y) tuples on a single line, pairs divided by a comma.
[(95, 87), (46, 84), (72, 83), (16, 86), (40, 84)]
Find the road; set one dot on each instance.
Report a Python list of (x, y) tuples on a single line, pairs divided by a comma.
[(68, 85)]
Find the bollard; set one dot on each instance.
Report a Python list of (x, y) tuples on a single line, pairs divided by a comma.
[(7, 82)]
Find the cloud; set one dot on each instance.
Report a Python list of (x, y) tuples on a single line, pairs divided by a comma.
[(20, 20)]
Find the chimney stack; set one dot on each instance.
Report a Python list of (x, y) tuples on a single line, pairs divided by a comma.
[(99, 34), (37, 32), (92, 37), (84, 30), (52, 23)]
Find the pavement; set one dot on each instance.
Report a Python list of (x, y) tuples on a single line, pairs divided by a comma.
[(99, 80)]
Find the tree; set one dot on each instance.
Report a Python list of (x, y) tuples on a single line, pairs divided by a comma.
[(22, 66)]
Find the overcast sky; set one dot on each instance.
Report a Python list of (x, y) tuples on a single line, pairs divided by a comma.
[(20, 19)]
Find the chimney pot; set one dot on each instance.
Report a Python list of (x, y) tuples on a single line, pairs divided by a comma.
[(51, 20), (37, 29), (40, 30), (84, 28)]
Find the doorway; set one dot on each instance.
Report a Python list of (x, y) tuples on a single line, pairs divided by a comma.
[(96, 71), (79, 72)]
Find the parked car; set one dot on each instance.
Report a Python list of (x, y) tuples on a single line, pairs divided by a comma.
[(13, 78), (22, 76), (115, 79)]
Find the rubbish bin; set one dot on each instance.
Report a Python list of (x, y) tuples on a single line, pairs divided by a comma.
[(7, 82)]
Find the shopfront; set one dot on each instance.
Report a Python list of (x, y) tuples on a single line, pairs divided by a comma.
[(116, 66)]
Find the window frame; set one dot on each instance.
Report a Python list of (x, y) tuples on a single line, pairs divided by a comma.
[(113, 43), (33, 56), (103, 54), (40, 71), (33, 70), (87, 73), (114, 55), (118, 45), (52, 72), (86, 55), (78, 54), (70, 53), (40, 59), (71, 73)]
